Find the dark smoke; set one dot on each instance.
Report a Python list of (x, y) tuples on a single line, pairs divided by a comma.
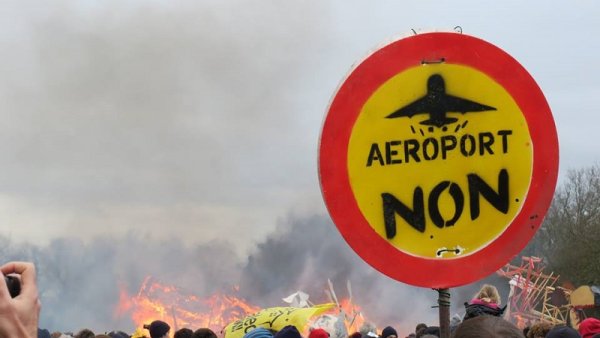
[(80, 282), (304, 253)]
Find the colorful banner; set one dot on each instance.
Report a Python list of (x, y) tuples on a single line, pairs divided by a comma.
[(275, 319)]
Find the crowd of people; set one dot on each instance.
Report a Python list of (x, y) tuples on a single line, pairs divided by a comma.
[(19, 317), (156, 329)]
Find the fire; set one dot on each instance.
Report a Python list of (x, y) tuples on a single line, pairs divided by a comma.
[(354, 317), (180, 309), (521, 321)]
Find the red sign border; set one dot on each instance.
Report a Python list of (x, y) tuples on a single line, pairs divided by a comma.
[(337, 127)]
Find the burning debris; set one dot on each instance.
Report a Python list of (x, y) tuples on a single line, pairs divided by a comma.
[(179, 308), (286, 261), (229, 314)]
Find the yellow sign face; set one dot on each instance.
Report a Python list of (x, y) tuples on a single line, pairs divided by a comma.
[(438, 153), (440, 182)]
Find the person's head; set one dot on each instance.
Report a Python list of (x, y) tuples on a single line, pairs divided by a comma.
[(589, 327), (420, 326), (539, 330), (430, 330), (562, 332), (487, 327), (85, 333), (367, 328), (289, 331), (43, 333), (259, 332), (489, 294), (389, 331), (183, 333), (158, 329), (318, 333), (204, 332)]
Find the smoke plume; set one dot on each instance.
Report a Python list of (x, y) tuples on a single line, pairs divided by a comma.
[(80, 281)]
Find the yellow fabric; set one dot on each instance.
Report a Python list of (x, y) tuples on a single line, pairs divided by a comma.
[(275, 319)]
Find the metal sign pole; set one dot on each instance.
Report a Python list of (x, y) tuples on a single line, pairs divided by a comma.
[(444, 310)]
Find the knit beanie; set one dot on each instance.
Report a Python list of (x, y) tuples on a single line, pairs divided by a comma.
[(157, 328), (259, 332), (318, 333), (289, 331), (388, 331), (562, 332), (589, 327)]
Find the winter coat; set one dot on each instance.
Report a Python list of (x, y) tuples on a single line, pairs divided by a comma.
[(479, 308)]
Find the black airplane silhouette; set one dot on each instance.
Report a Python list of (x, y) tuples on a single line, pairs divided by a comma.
[(437, 103)]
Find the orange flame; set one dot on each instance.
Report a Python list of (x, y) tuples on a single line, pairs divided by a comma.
[(521, 321), (354, 317), (172, 305), (179, 309)]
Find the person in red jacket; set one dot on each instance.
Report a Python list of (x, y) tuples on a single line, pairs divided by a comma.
[(589, 327)]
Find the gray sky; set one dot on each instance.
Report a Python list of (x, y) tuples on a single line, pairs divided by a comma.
[(200, 120)]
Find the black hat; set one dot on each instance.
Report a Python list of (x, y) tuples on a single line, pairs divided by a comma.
[(388, 331), (289, 331), (157, 328)]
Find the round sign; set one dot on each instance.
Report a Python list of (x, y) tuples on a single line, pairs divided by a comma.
[(438, 159)]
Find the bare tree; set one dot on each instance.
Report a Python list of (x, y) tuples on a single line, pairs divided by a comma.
[(569, 238)]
